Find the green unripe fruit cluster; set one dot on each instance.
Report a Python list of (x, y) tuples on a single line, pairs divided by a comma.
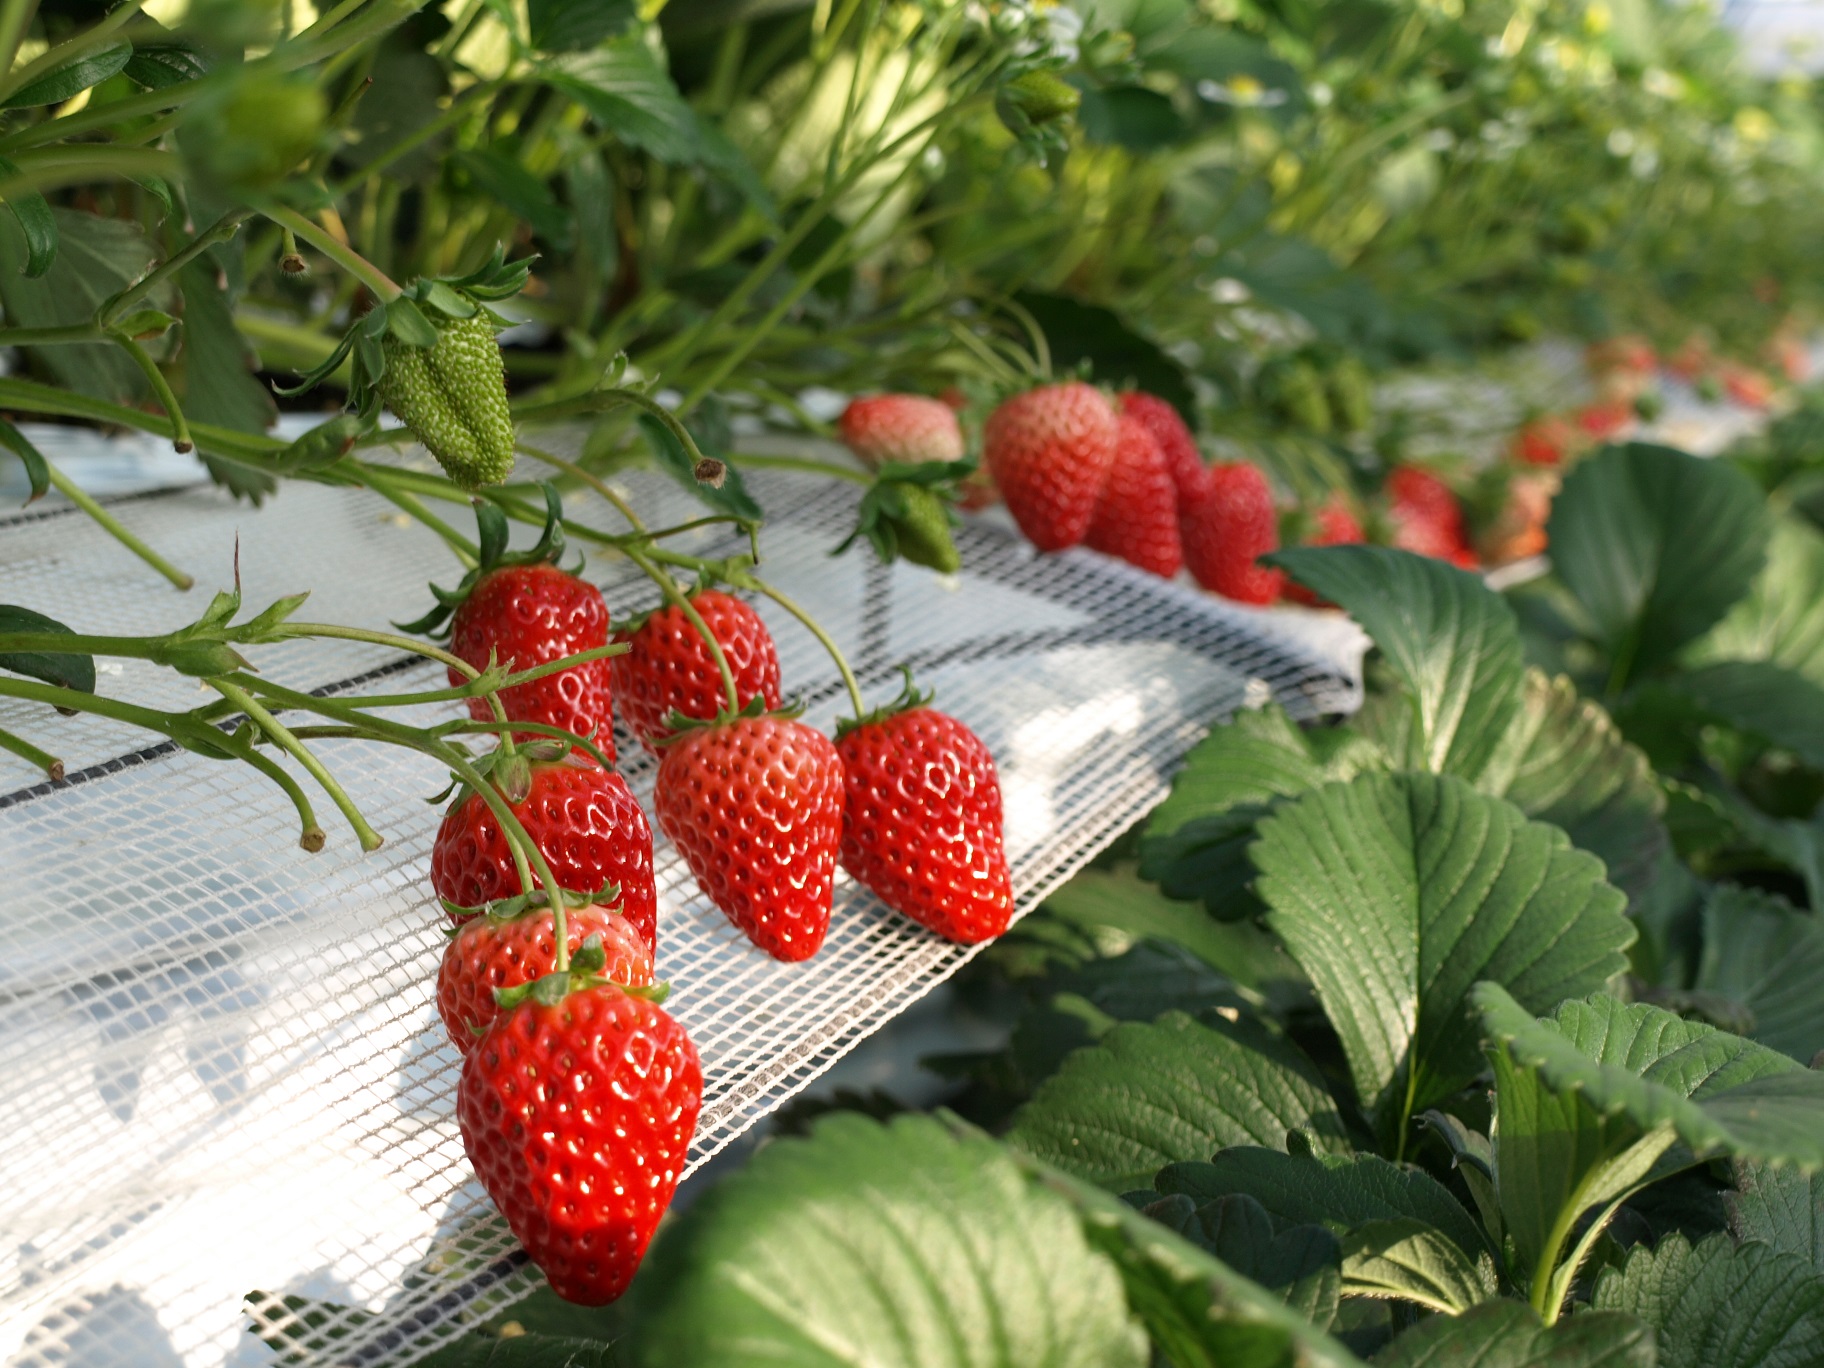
[(453, 397)]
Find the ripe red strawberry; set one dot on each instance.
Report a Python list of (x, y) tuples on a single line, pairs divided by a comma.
[(1049, 451), (1748, 387), (901, 427), (922, 825), (1544, 441), (1137, 516), (585, 821), (577, 1115), (1606, 418), (755, 805), (1336, 526), (527, 615), (491, 952), (1427, 519), (1227, 528), (525, 611), (669, 668), (1189, 474)]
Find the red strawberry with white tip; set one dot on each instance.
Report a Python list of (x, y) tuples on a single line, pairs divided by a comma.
[(901, 427), (754, 804), (668, 667), (1182, 458), (1227, 528), (922, 825), (1050, 451), (584, 820), (492, 952), (1137, 516), (577, 1108), (523, 610)]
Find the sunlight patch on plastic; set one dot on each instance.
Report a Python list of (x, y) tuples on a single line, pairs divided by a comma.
[(223, 1068)]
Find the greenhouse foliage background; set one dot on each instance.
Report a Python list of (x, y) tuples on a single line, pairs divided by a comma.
[(1475, 1024)]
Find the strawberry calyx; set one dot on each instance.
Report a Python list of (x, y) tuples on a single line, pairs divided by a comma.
[(584, 973), (710, 573), (511, 909), (679, 724), (491, 524), (910, 697), (906, 513)]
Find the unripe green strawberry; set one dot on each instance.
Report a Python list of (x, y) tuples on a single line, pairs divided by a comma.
[(1351, 395), (453, 397), (924, 531), (1041, 96)]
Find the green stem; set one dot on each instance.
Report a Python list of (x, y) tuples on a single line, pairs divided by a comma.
[(463, 549), (221, 230), (161, 389), (116, 529), (600, 486), (347, 258), (816, 629), (369, 838), (15, 20), (310, 835), (597, 401), (50, 337), (25, 750), (809, 464)]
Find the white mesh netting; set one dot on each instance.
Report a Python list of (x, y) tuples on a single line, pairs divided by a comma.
[(222, 1067)]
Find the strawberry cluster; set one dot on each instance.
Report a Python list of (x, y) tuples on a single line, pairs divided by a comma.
[(579, 1095)]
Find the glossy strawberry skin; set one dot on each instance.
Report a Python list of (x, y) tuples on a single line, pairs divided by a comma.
[(1336, 526), (901, 427), (486, 955), (577, 1118), (1189, 473), (1050, 450), (1227, 528), (1137, 516), (922, 823), (527, 615), (755, 806), (583, 818), (670, 668), (1427, 518)]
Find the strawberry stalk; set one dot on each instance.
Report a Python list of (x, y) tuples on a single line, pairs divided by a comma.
[(25, 750), (369, 838), (377, 281)]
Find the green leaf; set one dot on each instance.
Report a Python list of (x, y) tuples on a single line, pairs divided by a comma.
[(1133, 117), (1656, 546), (1116, 898), (503, 178), (1302, 1264), (96, 259), (732, 498), (161, 66), (1776, 704), (1196, 841), (1564, 761), (625, 90), (1721, 1305), (219, 385), (1766, 955), (1117, 353), (1406, 1260), (1781, 1207), (1449, 638), (899, 1246), (1782, 617), (32, 212), (1149, 1095), (1508, 1334), (1200, 1312), (1398, 893), (1604, 1097), (567, 25), (66, 671), (72, 78), (37, 469), (1337, 1192)]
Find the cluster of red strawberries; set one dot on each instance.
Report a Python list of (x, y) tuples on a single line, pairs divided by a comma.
[(579, 1094)]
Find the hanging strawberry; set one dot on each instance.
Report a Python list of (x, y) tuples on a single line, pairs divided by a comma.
[(429, 354)]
